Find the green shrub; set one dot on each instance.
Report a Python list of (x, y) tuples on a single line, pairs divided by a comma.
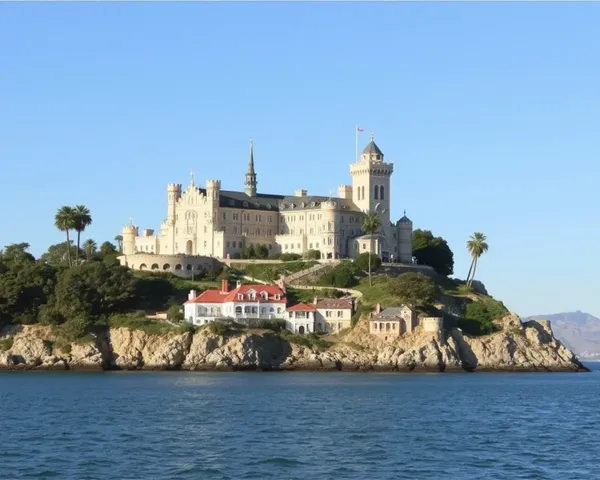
[(175, 314), (137, 321), (313, 255), (479, 316), (75, 328), (342, 276), (286, 257), (6, 343), (274, 325), (308, 340), (224, 328)]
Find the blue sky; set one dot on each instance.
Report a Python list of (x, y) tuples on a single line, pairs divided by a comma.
[(489, 112)]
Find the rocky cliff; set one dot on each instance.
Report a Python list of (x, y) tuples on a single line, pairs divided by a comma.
[(528, 346)]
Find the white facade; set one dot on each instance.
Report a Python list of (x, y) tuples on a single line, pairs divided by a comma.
[(217, 223), (244, 304), (301, 319)]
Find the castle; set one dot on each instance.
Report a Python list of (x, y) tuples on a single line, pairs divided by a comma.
[(207, 224)]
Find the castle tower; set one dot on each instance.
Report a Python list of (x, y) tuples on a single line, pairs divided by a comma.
[(213, 189), (405, 239), (250, 183), (371, 182), (173, 196), (129, 233)]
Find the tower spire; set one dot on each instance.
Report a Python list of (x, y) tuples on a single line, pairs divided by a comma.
[(250, 183)]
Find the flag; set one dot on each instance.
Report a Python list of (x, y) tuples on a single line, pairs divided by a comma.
[(359, 129)]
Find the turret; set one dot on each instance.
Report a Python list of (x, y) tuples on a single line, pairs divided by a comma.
[(173, 196), (129, 233), (213, 188), (345, 191), (250, 182), (405, 239)]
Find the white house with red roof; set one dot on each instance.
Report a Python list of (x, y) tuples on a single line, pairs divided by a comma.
[(242, 304), (301, 318)]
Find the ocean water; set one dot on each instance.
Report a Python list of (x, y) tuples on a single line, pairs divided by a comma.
[(176, 425)]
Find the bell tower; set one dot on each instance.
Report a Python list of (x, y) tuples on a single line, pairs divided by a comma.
[(371, 182)]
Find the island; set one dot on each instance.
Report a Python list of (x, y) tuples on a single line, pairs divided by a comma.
[(241, 280)]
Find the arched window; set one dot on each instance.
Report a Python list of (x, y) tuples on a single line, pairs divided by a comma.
[(358, 193), (376, 192), (381, 191), (166, 266), (362, 192)]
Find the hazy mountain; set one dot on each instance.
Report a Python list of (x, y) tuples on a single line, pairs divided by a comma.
[(579, 331)]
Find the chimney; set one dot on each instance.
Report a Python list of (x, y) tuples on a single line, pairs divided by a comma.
[(315, 300), (301, 193), (192, 295), (378, 308), (224, 286), (238, 284)]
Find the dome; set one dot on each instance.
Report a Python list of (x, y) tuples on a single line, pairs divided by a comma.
[(404, 219)]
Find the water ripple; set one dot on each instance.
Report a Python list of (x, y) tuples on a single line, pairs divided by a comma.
[(296, 426)]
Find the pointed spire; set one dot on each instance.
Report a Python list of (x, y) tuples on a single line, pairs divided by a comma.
[(372, 137), (250, 183), (192, 183), (251, 162)]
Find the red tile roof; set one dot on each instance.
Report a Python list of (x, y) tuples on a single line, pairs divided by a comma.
[(302, 307), (334, 303), (217, 296)]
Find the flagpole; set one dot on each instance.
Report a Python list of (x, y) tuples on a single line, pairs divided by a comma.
[(356, 144)]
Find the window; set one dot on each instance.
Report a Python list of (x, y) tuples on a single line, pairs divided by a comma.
[(362, 192), (227, 244), (224, 229), (258, 232), (339, 326), (204, 243), (235, 230), (340, 313), (381, 196), (277, 296), (358, 193), (270, 219), (376, 192), (224, 216), (240, 244), (278, 309), (328, 313), (204, 228)]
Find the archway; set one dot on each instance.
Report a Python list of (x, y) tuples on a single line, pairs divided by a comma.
[(143, 266), (166, 266), (189, 247), (301, 329), (189, 266), (178, 266), (154, 266)]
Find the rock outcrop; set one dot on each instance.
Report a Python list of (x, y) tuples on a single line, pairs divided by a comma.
[(528, 346)]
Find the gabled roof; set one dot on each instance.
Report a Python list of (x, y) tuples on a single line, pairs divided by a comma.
[(335, 303), (302, 307), (218, 296), (391, 313)]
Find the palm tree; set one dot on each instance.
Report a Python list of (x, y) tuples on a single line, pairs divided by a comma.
[(89, 247), (64, 220), (370, 225), (119, 240), (82, 219), (477, 246)]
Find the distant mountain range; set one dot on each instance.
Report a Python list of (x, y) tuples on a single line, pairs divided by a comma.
[(579, 331)]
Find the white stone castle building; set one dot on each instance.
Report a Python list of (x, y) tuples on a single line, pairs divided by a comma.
[(205, 223)]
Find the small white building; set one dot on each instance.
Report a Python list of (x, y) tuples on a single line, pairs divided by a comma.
[(242, 304), (301, 318)]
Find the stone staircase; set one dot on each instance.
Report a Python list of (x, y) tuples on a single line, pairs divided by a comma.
[(308, 274)]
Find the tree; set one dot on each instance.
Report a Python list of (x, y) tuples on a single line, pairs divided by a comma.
[(433, 251), (119, 240), (81, 219), (477, 246), (261, 251), (64, 220), (57, 254), (94, 289), (362, 261), (89, 248), (25, 286), (107, 248), (415, 289), (16, 253), (370, 225)]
